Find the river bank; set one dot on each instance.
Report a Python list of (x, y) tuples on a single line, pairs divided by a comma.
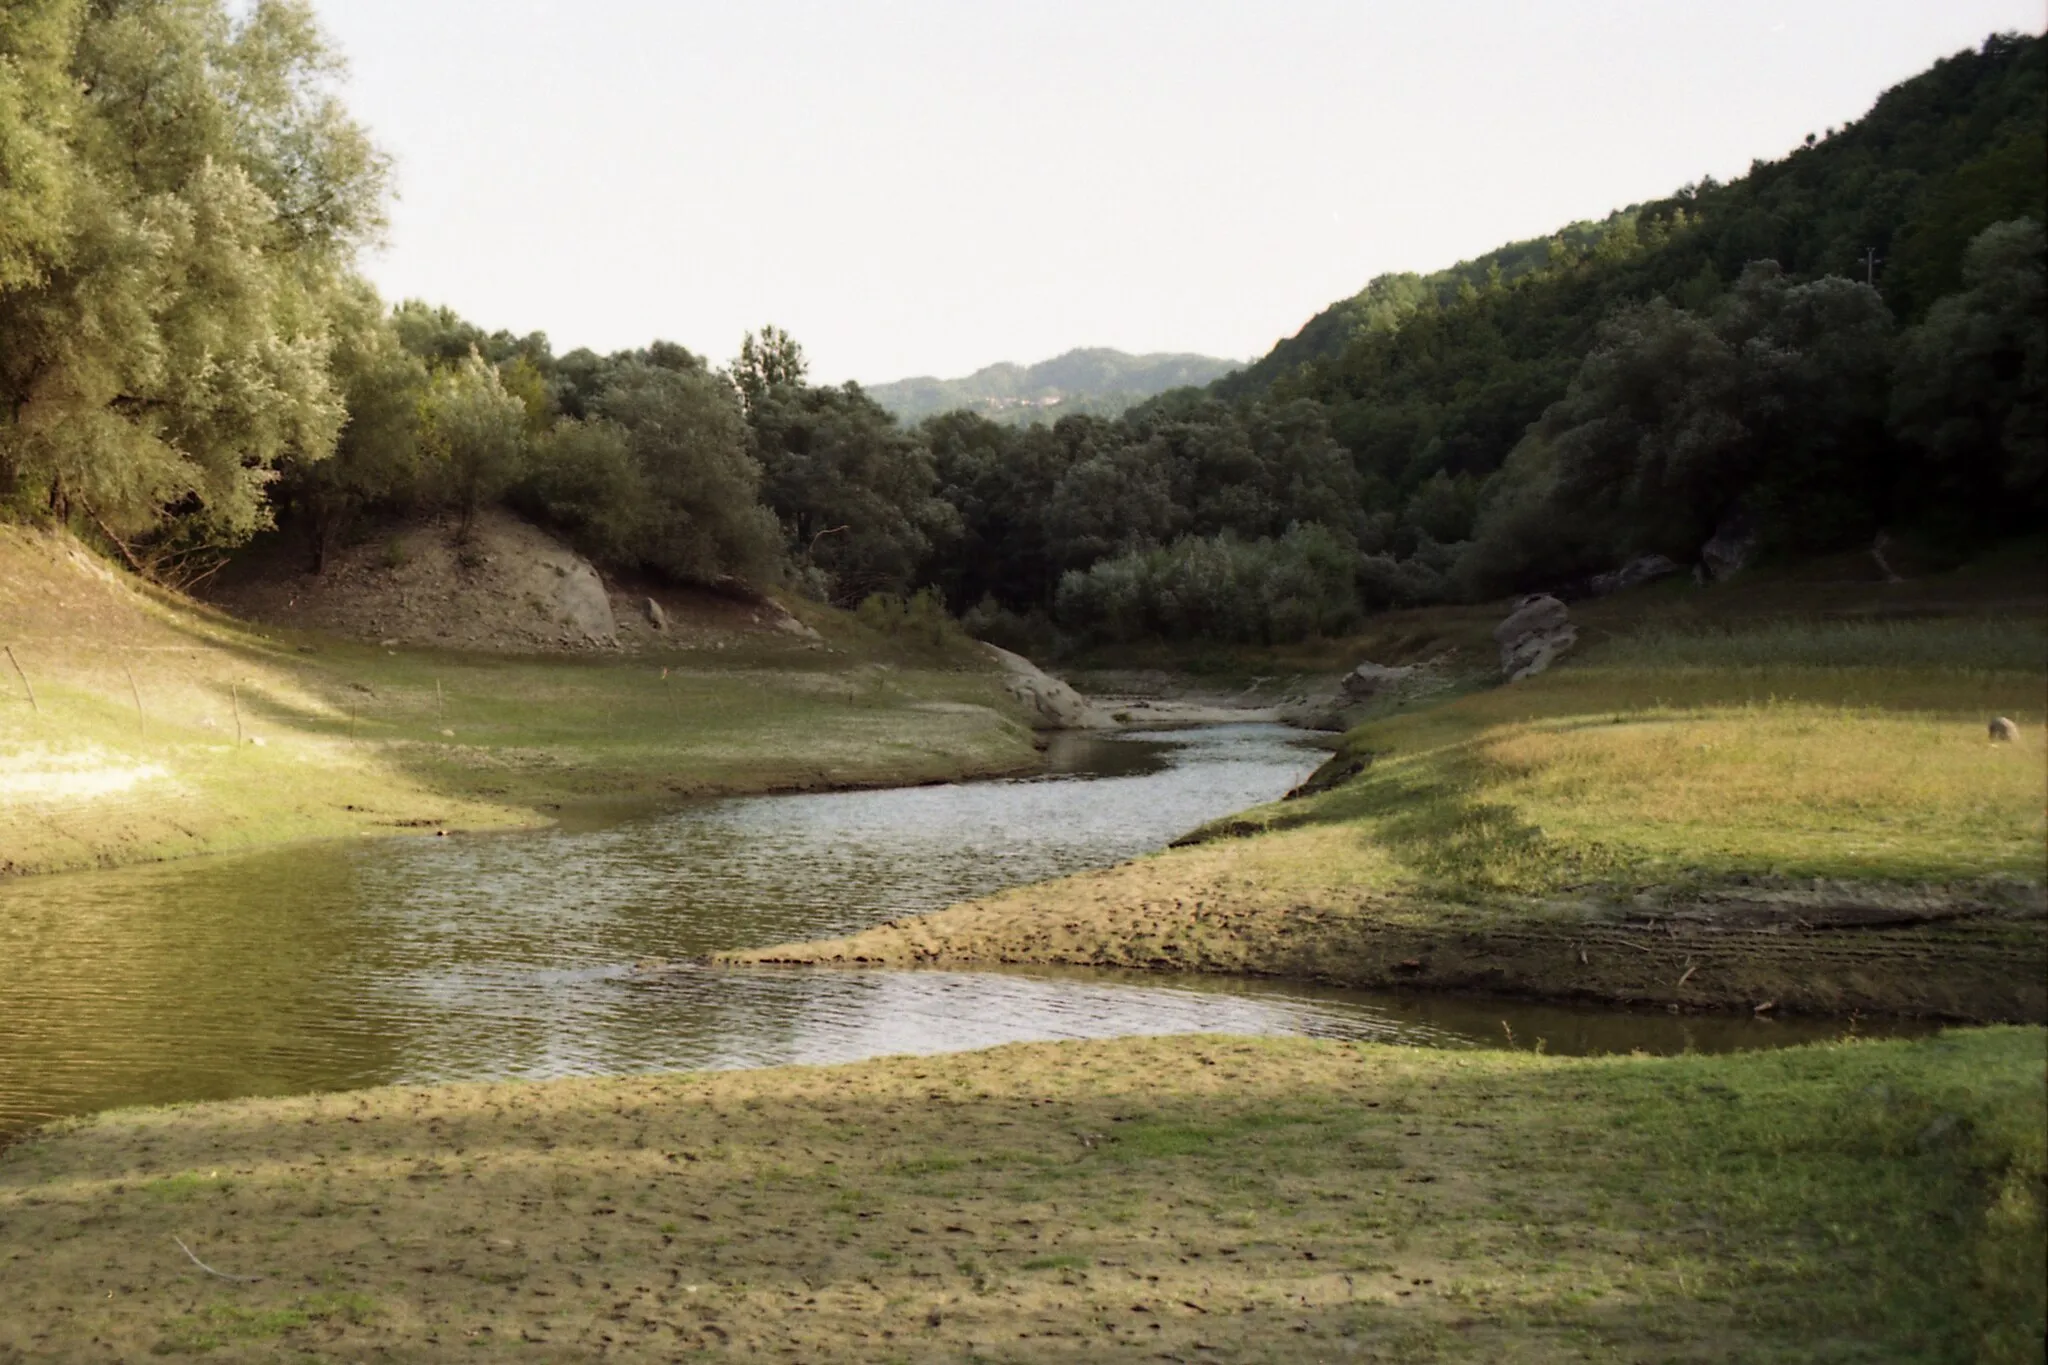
[(136, 726), (1187, 1198), (1761, 814), (354, 963)]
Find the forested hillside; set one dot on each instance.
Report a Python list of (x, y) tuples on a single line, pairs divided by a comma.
[(1845, 341), (1094, 381)]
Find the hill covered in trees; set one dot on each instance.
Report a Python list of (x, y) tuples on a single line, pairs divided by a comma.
[(1093, 381), (1844, 342)]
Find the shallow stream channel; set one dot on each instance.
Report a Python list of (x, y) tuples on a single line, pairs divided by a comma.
[(334, 966)]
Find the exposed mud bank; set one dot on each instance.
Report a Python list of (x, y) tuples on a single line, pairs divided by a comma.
[(1976, 953)]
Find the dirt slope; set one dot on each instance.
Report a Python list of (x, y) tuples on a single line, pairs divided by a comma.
[(513, 588)]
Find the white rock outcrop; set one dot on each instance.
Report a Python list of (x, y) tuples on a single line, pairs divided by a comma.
[(1050, 703), (564, 590)]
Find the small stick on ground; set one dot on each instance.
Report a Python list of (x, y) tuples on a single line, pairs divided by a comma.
[(141, 722), (1687, 977), (217, 1274), (26, 686), (235, 698)]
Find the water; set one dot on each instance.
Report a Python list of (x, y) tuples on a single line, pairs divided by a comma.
[(414, 960)]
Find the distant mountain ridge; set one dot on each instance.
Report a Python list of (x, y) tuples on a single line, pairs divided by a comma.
[(1095, 380)]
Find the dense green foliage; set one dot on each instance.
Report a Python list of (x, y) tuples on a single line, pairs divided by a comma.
[(181, 196), (1842, 343), (1218, 588), (1449, 382), (1092, 382)]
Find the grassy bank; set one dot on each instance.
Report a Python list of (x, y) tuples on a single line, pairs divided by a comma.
[(1730, 811), (1194, 1198), (159, 729)]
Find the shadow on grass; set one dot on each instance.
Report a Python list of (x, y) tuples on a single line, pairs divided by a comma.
[(1876, 1201)]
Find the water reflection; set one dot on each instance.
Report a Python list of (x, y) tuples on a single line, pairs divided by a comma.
[(341, 965)]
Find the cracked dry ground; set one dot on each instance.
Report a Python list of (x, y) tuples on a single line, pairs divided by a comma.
[(1160, 1199)]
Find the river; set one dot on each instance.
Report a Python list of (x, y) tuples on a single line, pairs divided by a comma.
[(339, 965)]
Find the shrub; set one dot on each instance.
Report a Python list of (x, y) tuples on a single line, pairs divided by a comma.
[(919, 619), (1265, 591), (1030, 633)]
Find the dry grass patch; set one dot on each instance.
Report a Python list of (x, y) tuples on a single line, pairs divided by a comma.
[(1228, 1199)]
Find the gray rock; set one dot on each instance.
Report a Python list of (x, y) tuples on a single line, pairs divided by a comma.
[(1329, 714), (1535, 614), (1728, 552), (1647, 569), (1535, 633), (656, 617), (1370, 679), (2004, 730)]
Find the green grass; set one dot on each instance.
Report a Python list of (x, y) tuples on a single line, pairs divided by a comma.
[(1056, 1263), (1952, 648), (138, 744), (224, 1324), (1838, 750)]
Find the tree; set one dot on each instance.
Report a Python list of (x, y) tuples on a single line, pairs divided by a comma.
[(1816, 360), (1971, 391), (1774, 405), (39, 106), (164, 340), (998, 480), (853, 490), (376, 461), (1444, 508), (703, 520), (1115, 493), (765, 363), (474, 435), (582, 478)]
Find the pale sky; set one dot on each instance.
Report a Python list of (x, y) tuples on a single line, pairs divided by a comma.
[(926, 188)]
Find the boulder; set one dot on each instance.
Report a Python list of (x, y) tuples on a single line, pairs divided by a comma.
[(1647, 569), (1049, 703), (1535, 633), (571, 596), (1370, 679), (2004, 731), (1728, 552), (656, 617)]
